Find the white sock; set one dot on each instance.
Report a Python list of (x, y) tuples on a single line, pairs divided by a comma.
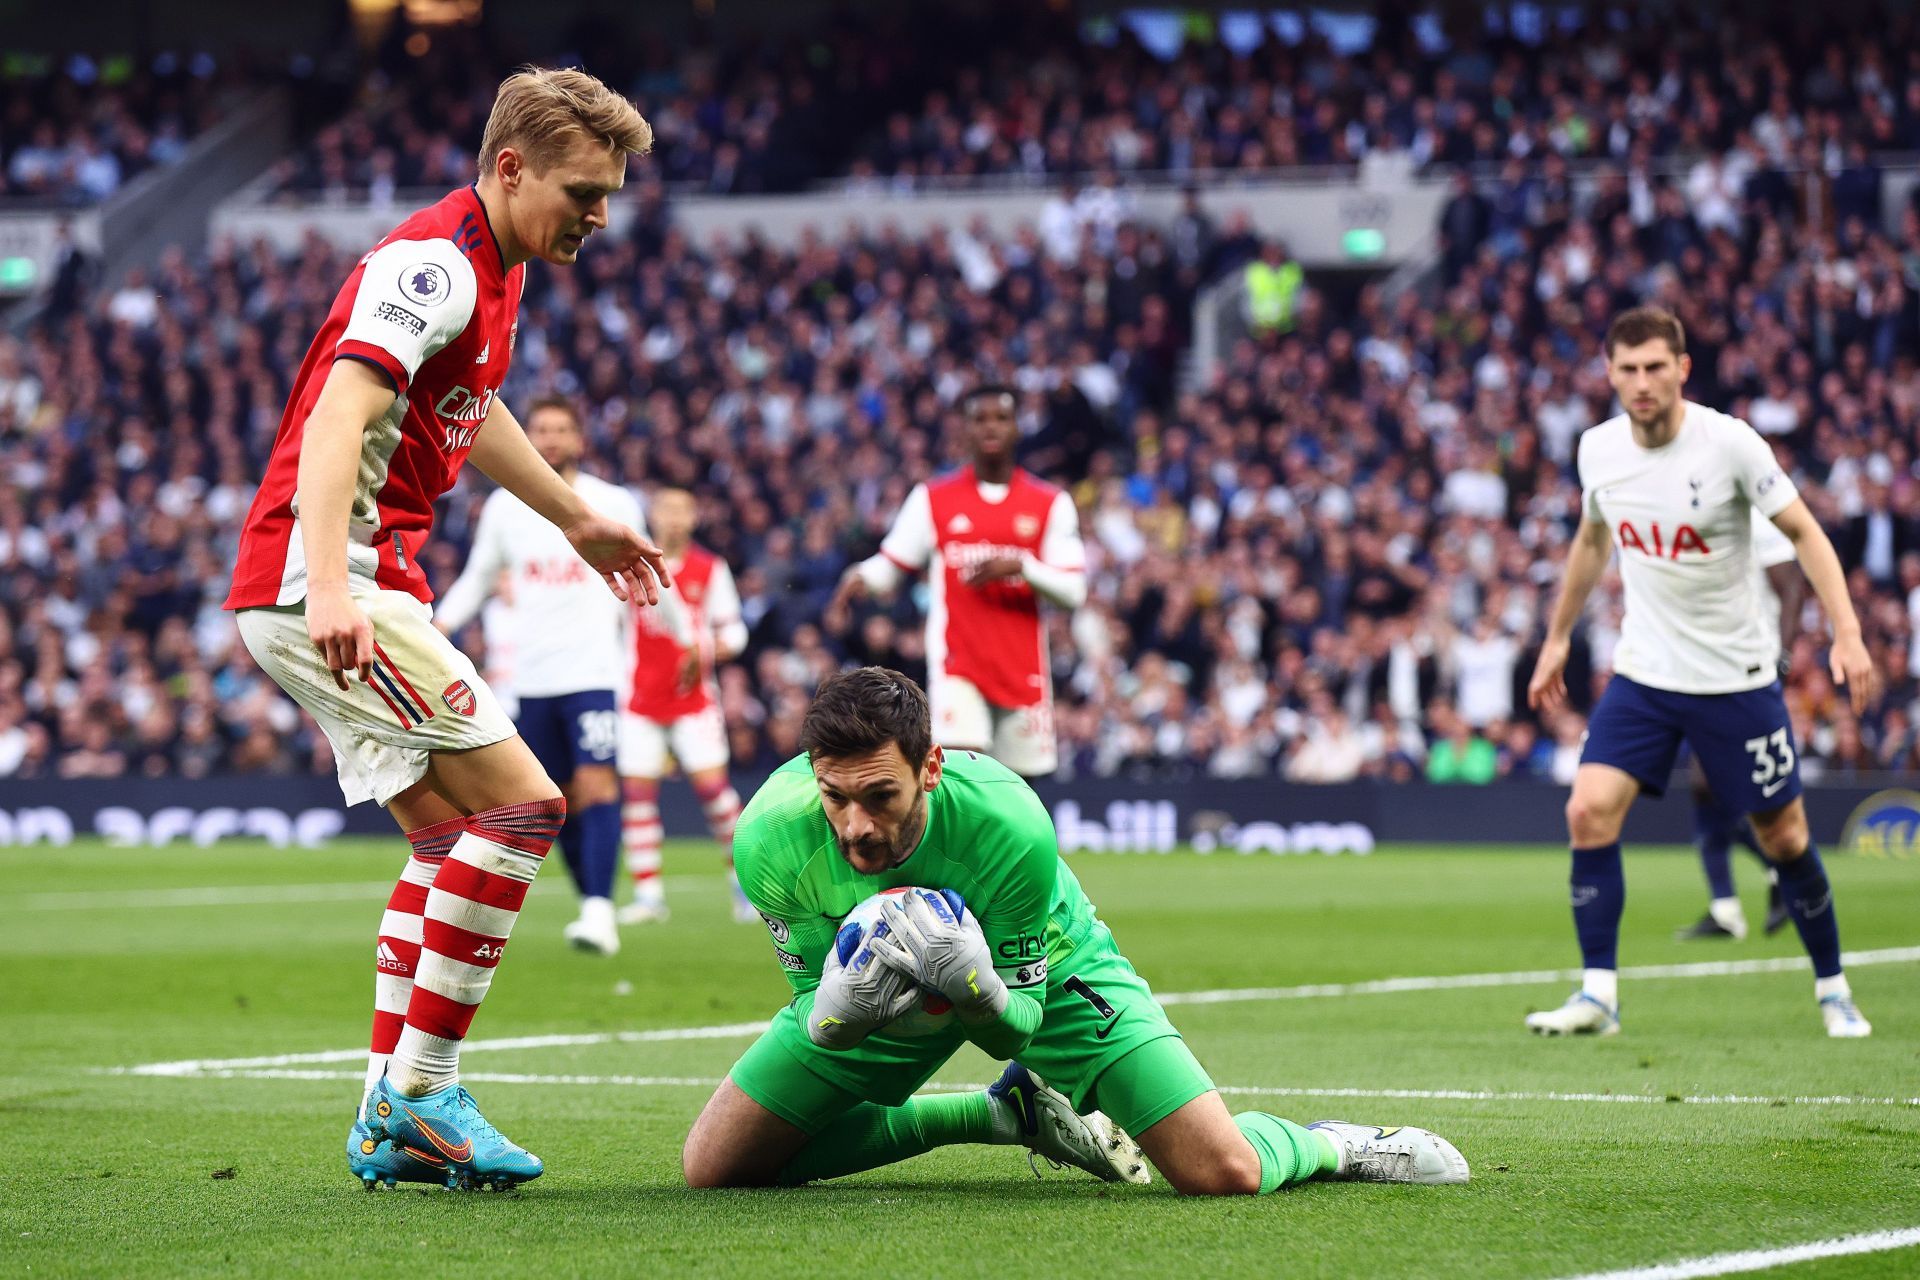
[(1603, 985), (596, 911), (1834, 986), (1727, 914), (423, 1063)]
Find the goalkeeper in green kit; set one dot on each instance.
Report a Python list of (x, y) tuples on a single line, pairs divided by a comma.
[(1031, 974)]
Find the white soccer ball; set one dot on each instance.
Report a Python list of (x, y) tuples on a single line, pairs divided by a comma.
[(935, 1013)]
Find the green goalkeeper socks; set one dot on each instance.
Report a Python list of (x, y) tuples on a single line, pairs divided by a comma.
[(871, 1135), (1288, 1153)]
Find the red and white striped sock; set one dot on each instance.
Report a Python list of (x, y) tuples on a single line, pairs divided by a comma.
[(470, 910), (721, 803), (397, 953), (640, 828)]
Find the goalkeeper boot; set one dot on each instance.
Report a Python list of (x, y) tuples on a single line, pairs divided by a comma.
[(1369, 1153), (1051, 1129), (448, 1124), (1583, 1014), (386, 1164)]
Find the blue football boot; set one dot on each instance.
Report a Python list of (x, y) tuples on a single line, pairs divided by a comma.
[(385, 1164), (449, 1125)]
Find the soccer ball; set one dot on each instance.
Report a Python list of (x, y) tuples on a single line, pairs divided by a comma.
[(935, 1013)]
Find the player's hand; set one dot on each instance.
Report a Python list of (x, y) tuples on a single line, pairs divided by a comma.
[(688, 674), (1851, 667), (856, 998), (341, 631), (634, 568), (1548, 688), (943, 952), (851, 587), (997, 569)]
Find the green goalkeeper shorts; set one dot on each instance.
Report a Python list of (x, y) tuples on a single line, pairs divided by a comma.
[(1099, 1012)]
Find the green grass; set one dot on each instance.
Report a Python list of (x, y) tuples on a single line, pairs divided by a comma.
[(115, 1174)]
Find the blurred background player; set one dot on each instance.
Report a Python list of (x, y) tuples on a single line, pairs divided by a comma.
[(566, 633), (400, 387), (1671, 484), (999, 540), (1781, 589), (673, 707)]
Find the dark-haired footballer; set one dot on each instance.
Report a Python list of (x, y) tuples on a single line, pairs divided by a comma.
[(1032, 974)]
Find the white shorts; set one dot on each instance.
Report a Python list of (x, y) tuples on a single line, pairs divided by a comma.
[(425, 695), (1020, 738), (698, 743)]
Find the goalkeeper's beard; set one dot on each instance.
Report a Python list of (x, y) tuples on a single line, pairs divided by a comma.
[(894, 851)]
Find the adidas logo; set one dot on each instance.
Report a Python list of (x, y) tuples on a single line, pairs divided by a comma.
[(387, 961), (484, 352), (960, 524)]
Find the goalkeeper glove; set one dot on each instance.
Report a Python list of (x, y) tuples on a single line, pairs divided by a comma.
[(857, 994), (933, 939)]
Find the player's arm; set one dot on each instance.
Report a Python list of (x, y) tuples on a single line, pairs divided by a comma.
[(1848, 660), (906, 550), (459, 603), (1789, 583), (1586, 561), (1059, 573), (724, 614), (633, 567), (356, 395)]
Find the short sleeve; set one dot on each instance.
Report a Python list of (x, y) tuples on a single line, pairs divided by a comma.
[(910, 543), (1060, 546), (1589, 497), (414, 297), (1756, 473), (1770, 546)]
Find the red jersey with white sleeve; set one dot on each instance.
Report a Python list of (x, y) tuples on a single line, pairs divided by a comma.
[(433, 308), (990, 634), (710, 614)]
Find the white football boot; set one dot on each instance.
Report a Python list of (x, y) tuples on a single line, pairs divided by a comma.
[(1844, 1019), (1582, 1015), (1049, 1127), (595, 930), (1369, 1153)]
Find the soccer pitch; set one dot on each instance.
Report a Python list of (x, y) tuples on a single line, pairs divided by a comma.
[(182, 1038)]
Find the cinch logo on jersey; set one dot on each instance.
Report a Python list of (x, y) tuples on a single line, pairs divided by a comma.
[(964, 555), (1685, 538)]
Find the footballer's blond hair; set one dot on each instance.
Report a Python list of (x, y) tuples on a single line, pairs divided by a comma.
[(539, 111)]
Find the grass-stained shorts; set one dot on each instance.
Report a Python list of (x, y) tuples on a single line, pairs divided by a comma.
[(1103, 1041)]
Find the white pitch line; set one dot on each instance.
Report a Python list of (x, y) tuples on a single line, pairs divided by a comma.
[(1727, 1264), (1316, 991), (240, 895), (1231, 1090)]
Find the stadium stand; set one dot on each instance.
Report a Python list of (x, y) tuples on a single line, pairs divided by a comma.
[(1331, 559)]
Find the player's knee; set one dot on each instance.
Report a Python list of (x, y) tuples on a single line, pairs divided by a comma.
[(1228, 1172), (1588, 823), (1783, 834)]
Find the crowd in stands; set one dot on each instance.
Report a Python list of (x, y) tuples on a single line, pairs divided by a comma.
[(1331, 559), (887, 106), (73, 134)]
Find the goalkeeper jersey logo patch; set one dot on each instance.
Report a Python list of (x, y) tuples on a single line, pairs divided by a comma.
[(778, 928)]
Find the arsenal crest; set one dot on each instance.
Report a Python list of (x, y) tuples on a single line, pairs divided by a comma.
[(459, 698), (1026, 526)]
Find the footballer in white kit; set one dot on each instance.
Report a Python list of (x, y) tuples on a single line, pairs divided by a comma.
[(1669, 485), (1780, 589), (995, 541), (566, 633)]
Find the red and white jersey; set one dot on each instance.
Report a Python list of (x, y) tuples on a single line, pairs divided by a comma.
[(433, 307), (989, 634), (709, 609), (1680, 517)]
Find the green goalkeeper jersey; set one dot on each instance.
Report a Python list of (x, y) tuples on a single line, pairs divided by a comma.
[(988, 838)]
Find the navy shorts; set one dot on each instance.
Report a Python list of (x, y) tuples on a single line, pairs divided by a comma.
[(570, 730), (1744, 741)]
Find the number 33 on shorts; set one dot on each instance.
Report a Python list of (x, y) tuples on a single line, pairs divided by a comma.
[(1773, 761)]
